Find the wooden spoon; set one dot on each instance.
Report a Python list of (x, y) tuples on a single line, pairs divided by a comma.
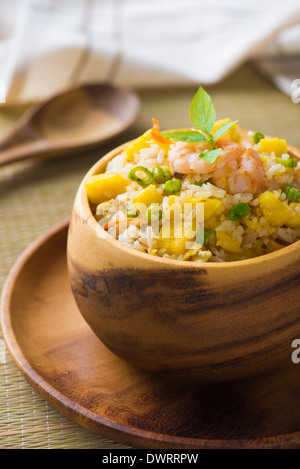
[(81, 117)]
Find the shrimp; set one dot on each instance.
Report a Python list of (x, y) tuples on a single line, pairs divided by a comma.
[(184, 158), (237, 169)]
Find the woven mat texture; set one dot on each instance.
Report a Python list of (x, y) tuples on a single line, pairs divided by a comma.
[(35, 195)]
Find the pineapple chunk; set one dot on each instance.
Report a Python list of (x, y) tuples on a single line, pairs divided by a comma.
[(211, 206), (148, 196), (228, 242), (275, 212), (195, 200), (294, 221), (231, 134), (256, 226), (276, 145), (175, 241), (250, 223), (142, 142), (212, 223), (102, 187), (172, 246), (173, 199)]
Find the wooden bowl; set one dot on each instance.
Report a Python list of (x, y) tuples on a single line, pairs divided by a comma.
[(188, 321)]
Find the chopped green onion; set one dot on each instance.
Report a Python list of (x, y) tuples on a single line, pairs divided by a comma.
[(141, 181), (207, 236), (172, 186), (131, 214), (154, 213), (292, 194), (161, 175), (198, 184), (238, 212), (257, 136), (289, 162)]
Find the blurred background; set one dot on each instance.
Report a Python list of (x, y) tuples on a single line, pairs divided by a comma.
[(245, 54), (48, 44)]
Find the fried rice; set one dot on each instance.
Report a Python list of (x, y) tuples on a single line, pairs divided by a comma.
[(270, 219)]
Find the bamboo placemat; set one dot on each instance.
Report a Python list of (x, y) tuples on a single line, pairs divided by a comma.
[(35, 195)]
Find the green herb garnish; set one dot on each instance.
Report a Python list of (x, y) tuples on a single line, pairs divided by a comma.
[(203, 116), (191, 136), (238, 212), (211, 155)]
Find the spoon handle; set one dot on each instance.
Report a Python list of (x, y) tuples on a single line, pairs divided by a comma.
[(23, 151)]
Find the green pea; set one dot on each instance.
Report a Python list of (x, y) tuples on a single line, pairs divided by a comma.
[(238, 212), (161, 175), (172, 186), (141, 181), (257, 136)]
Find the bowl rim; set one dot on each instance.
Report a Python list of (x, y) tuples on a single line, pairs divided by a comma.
[(101, 164)]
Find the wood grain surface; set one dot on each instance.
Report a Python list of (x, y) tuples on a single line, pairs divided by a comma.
[(195, 322), (70, 367)]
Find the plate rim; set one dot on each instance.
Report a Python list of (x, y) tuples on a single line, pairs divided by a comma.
[(98, 424)]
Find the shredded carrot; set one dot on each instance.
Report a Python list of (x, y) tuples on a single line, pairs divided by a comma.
[(155, 133), (121, 220)]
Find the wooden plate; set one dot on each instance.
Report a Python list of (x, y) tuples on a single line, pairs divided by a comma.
[(64, 361)]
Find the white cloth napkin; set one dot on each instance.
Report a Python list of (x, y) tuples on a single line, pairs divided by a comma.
[(46, 45)]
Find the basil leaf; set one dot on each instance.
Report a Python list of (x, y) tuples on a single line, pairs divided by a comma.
[(202, 112), (185, 136), (223, 129), (210, 156)]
